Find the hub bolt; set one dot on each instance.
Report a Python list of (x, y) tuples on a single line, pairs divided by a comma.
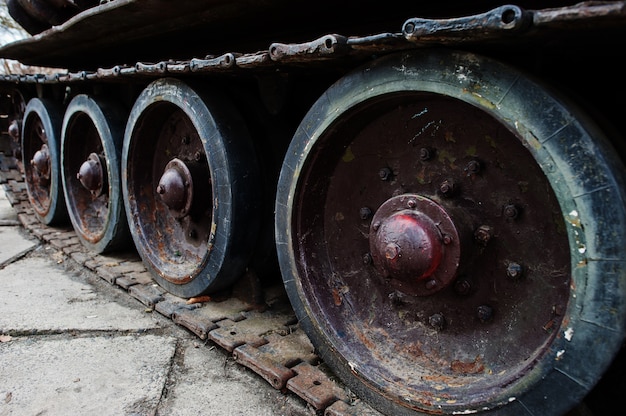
[(385, 174), (437, 321), (511, 211), (447, 188), (426, 154), (514, 271), (367, 258), (473, 167), (483, 234), (484, 313), (462, 287), (365, 213)]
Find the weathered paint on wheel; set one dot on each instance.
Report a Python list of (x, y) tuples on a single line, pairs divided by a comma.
[(190, 187), (41, 129), (92, 135), (505, 205)]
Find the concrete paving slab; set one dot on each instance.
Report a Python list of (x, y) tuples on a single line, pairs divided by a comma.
[(46, 298), (72, 344), (8, 215), (118, 375), (207, 389), (14, 242)]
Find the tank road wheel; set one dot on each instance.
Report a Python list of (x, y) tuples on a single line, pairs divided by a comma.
[(190, 188), (92, 135), (451, 236), (41, 128)]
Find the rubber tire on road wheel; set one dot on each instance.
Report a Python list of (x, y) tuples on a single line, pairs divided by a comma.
[(50, 208)]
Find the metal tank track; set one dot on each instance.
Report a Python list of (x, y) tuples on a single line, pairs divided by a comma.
[(264, 337), (505, 25)]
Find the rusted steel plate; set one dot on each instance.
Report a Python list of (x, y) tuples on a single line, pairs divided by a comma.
[(251, 330), (172, 304), (146, 294), (203, 319), (315, 386), (272, 360)]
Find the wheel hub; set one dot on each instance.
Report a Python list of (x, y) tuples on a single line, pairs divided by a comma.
[(91, 174), (415, 243), (176, 188), (41, 163)]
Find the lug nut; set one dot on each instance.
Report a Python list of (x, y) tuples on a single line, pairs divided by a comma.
[(511, 211), (447, 188), (385, 174), (462, 287), (514, 271), (437, 321), (483, 234), (484, 313), (365, 213), (473, 167), (431, 284), (426, 154)]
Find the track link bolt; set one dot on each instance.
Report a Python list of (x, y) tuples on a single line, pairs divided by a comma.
[(385, 174), (484, 313), (437, 321), (514, 271)]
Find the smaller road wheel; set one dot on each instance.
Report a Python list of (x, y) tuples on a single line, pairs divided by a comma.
[(41, 128), (191, 187), (92, 135)]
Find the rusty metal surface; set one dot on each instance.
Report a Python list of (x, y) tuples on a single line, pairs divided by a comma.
[(267, 340)]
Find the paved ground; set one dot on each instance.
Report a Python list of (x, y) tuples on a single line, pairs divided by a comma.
[(72, 344)]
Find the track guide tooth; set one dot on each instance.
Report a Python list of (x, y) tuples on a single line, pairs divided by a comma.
[(203, 319), (251, 330), (315, 386), (272, 360), (146, 294)]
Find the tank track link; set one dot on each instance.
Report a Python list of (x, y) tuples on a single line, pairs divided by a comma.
[(264, 337), (504, 25)]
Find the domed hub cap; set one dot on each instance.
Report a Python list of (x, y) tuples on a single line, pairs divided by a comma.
[(415, 244), (176, 188), (92, 174), (41, 163)]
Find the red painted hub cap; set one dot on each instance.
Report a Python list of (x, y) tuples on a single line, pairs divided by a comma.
[(415, 243)]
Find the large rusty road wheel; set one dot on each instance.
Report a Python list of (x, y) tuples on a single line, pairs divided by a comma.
[(190, 187), (41, 130), (92, 135), (452, 237)]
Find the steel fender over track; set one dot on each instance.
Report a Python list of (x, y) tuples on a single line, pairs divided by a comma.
[(92, 136), (41, 144), (451, 234), (191, 190)]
